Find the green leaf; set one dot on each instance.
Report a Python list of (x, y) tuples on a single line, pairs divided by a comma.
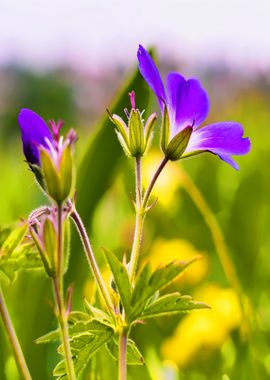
[(13, 240), (171, 304), (79, 325), (142, 282), (85, 341), (24, 256), (96, 313), (4, 232), (134, 357), (121, 279), (147, 285), (49, 337)]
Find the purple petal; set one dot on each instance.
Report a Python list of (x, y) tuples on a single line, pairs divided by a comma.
[(224, 139), (149, 71), (188, 102), (229, 160), (34, 132)]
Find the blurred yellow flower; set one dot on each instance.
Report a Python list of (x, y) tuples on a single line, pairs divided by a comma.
[(166, 251), (90, 287), (167, 183), (206, 329)]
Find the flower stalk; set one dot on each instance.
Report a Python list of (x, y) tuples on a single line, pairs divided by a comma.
[(16, 348), (140, 214), (122, 367), (62, 314), (91, 260)]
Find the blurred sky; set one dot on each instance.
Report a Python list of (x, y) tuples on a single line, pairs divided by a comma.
[(91, 33)]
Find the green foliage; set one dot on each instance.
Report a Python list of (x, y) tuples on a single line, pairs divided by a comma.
[(134, 357), (79, 323), (148, 284), (13, 240), (83, 347), (171, 304), (121, 279), (86, 334), (23, 257), (15, 255)]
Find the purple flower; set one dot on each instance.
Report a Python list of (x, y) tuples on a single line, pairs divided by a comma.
[(187, 104), (35, 133)]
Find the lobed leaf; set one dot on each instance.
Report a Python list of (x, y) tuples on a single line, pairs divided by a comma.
[(147, 285), (83, 347), (171, 304), (25, 256), (79, 325), (134, 357), (96, 313), (13, 239), (121, 279)]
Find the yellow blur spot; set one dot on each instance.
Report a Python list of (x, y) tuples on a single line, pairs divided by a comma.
[(90, 287), (205, 329), (168, 181), (166, 251)]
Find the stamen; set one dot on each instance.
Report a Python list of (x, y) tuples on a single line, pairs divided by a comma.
[(126, 112), (55, 128)]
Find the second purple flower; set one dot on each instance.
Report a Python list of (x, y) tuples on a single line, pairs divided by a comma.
[(185, 104)]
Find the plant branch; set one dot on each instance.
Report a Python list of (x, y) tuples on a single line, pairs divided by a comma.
[(91, 260), (122, 365), (17, 351), (58, 287)]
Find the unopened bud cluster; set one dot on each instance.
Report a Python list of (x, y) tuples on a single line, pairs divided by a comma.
[(135, 137)]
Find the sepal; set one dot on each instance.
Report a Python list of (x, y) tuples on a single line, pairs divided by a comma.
[(178, 144), (136, 134), (58, 180), (165, 130)]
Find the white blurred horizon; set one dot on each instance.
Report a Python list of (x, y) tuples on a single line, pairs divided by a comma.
[(92, 34)]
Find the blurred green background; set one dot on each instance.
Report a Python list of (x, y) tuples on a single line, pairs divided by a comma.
[(204, 207)]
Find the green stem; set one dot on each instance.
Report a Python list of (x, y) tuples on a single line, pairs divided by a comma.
[(141, 210), (58, 287), (140, 214), (92, 261), (17, 351), (122, 365)]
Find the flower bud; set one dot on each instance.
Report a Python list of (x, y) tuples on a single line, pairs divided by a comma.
[(135, 137), (178, 144), (136, 134), (58, 176)]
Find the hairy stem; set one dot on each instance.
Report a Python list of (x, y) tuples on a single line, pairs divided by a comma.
[(17, 351), (141, 210), (58, 287), (122, 365), (92, 261), (135, 251)]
